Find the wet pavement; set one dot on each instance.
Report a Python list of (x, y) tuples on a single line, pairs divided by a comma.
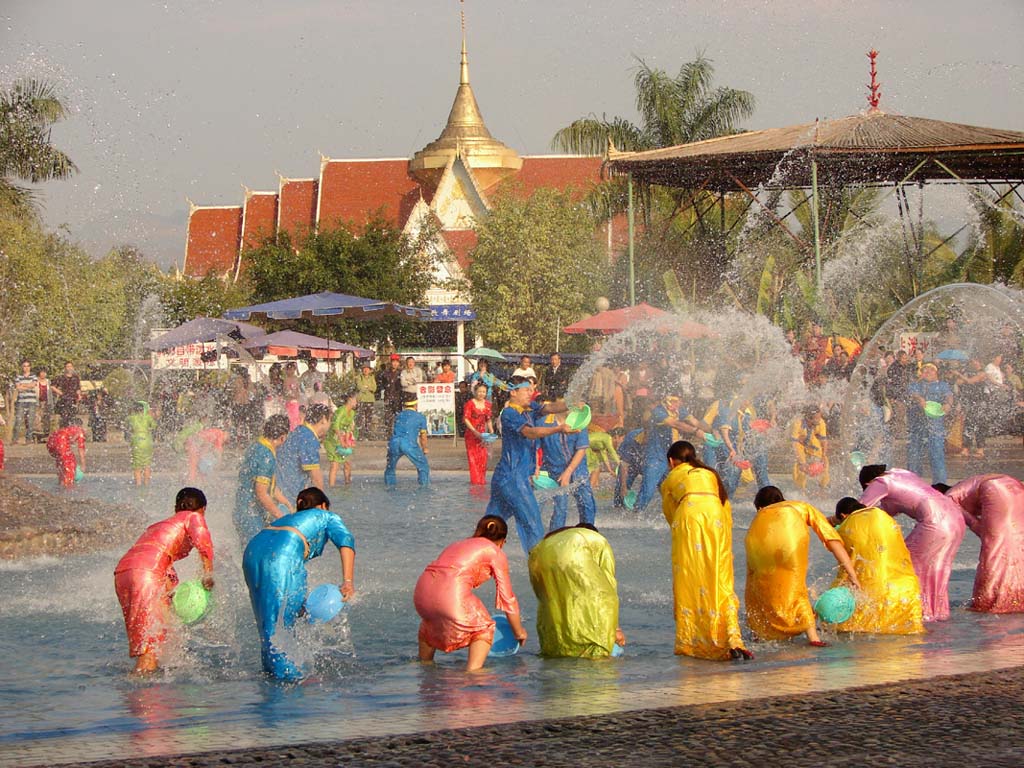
[(935, 706), (963, 720)]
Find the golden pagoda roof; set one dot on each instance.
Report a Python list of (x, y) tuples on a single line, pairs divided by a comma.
[(465, 135)]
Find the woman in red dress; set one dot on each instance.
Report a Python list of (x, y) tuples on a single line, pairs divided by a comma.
[(477, 416)]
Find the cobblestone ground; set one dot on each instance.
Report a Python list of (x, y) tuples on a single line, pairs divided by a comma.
[(964, 720)]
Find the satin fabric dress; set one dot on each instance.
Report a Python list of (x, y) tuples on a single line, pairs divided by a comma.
[(935, 539), (778, 606), (59, 446), (573, 575), (405, 441), (557, 452), (145, 577), (660, 435), (511, 489), (452, 616), (993, 508), (274, 566), (809, 448), (889, 602), (342, 434), (257, 468), (706, 607), (476, 449), (140, 427), (205, 443)]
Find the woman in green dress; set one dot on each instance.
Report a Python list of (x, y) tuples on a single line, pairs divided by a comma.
[(341, 439)]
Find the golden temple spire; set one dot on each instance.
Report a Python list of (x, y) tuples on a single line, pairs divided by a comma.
[(465, 135), (464, 71)]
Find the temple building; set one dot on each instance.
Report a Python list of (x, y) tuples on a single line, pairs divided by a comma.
[(452, 179)]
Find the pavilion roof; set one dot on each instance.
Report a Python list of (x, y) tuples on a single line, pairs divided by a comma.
[(869, 148)]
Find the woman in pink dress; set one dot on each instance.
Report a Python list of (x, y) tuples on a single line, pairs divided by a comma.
[(145, 579), (452, 616), (477, 415), (993, 506), (936, 537)]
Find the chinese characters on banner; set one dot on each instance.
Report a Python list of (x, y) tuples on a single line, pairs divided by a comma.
[(437, 403), (189, 357)]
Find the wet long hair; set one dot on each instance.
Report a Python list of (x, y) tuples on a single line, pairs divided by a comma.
[(311, 498), (683, 451), (491, 527)]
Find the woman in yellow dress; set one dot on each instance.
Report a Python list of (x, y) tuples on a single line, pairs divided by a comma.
[(810, 448), (890, 599), (697, 509), (778, 606)]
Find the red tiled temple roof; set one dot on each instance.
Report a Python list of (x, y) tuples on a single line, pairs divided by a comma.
[(260, 220), (460, 242), (213, 236), (297, 207), (579, 172), (353, 191)]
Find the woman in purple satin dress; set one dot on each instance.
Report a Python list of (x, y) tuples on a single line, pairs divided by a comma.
[(993, 506), (936, 537)]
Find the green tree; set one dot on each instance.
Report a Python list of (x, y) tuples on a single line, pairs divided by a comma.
[(27, 112), (382, 263), (537, 266), (186, 298)]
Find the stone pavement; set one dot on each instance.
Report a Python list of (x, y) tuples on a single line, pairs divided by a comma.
[(963, 720)]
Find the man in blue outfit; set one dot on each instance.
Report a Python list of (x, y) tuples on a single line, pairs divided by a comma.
[(511, 490), (631, 464), (565, 460), (668, 422), (298, 459), (409, 439), (274, 565), (928, 433)]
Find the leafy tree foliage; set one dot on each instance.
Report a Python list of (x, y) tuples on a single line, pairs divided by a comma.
[(27, 111), (537, 266), (186, 298), (382, 263)]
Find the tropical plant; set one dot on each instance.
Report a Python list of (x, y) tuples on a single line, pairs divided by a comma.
[(537, 266), (28, 110), (382, 263), (672, 110)]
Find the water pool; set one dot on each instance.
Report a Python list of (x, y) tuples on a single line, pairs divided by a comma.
[(66, 679)]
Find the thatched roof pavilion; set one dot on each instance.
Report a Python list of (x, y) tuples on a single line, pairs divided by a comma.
[(869, 148)]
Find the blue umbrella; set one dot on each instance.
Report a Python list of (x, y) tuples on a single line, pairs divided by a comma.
[(328, 304), (952, 354)]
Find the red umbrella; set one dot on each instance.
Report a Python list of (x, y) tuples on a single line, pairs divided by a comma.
[(615, 320)]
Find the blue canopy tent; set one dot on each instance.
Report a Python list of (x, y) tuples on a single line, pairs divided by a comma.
[(290, 343), (203, 329), (328, 305)]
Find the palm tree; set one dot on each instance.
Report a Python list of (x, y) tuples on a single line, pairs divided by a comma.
[(27, 112), (673, 110)]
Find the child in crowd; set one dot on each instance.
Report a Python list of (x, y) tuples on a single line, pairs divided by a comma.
[(140, 429)]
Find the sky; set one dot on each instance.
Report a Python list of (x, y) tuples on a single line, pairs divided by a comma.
[(191, 99)]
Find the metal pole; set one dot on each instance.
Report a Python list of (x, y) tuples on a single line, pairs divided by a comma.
[(817, 233), (632, 274)]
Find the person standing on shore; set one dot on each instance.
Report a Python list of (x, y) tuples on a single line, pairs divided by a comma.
[(366, 393), (26, 401), (68, 388), (391, 392)]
